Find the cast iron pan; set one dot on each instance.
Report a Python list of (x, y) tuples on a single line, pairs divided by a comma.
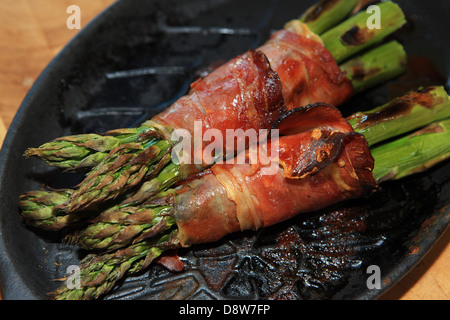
[(132, 62)]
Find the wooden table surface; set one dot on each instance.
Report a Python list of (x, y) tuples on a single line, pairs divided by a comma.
[(33, 31)]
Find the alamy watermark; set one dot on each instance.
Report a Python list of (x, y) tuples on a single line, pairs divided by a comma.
[(74, 20), (374, 280), (237, 147), (73, 278), (374, 21)]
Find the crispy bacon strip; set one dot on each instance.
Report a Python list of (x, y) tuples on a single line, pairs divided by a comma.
[(317, 167)]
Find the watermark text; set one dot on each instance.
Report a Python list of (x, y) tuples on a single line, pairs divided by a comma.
[(237, 147)]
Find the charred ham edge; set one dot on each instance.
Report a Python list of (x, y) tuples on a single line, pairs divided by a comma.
[(329, 130), (314, 116)]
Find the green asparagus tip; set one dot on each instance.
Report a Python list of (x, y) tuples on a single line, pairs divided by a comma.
[(38, 207), (100, 272)]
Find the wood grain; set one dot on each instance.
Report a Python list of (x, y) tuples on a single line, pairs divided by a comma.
[(32, 32)]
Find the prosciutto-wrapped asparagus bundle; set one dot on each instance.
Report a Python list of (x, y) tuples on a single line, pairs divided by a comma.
[(249, 92), (320, 161), (411, 111)]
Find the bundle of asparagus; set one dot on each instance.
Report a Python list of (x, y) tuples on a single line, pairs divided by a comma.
[(138, 226), (129, 237), (138, 160)]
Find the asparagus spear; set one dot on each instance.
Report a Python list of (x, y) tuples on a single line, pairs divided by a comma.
[(44, 209), (393, 160), (39, 209), (376, 66), (409, 112), (353, 35), (414, 153), (85, 151), (75, 152), (119, 172), (118, 227)]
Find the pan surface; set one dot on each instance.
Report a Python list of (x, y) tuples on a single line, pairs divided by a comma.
[(133, 61)]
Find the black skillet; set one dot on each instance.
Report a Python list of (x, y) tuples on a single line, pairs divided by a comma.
[(136, 58)]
